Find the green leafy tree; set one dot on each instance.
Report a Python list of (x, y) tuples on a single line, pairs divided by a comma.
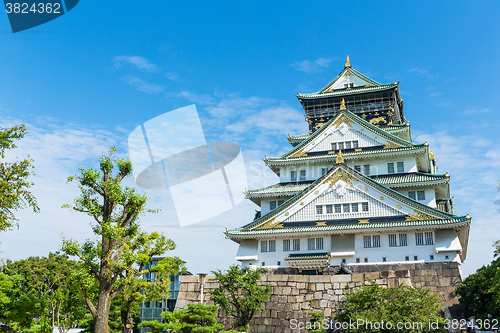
[(239, 295), (375, 304), (49, 286), (148, 290), (481, 291), (496, 245), (121, 246), (14, 183), (197, 318), (316, 322)]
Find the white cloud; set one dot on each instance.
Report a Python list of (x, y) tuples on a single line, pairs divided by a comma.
[(143, 85), (473, 169), (197, 98), (173, 77), (312, 66), (423, 72), (138, 62), (476, 110)]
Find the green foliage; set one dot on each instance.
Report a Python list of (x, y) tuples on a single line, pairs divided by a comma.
[(238, 294), (43, 293), (496, 245), (316, 322), (375, 304), (121, 252), (481, 291), (197, 318), (14, 184)]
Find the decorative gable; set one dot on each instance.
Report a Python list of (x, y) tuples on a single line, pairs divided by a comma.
[(349, 79), (348, 131), (344, 186)]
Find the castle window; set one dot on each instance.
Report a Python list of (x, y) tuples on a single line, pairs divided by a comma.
[(431, 257), (401, 167), (334, 146), (348, 145), (392, 240), (411, 195), (419, 238), (354, 207), (367, 241), (272, 246), (280, 202), (286, 245), (329, 209), (341, 145), (446, 257), (302, 174), (311, 244), (376, 240), (272, 205), (279, 263), (415, 257), (428, 238), (403, 240), (263, 246), (390, 167), (263, 263), (364, 205), (323, 171), (421, 195), (343, 261), (338, 208), (407, 258), (357, 168), (319, 243), (319, 209), (347, 208), (355, 144), (366, 259), (296, 244), (384, 259), (357, 260), (293, 176), (366, 169)]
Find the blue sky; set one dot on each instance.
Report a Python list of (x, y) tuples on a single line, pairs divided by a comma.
[(84, 81)]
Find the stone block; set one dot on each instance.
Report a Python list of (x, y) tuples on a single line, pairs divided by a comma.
[(445, 281), (318, 295), (323, 303), (328, 312), (291, 299), (381, 281), (336, 285), (402, 273), (190, 287), (358, 277), (328, 286), (320, 278), (327, 297), (338, 292), (295, 291), (295, 307), (301, 285), (405, 281), (189, 278), (309, 297), (341, 278), (287, 290), (320, 286), (372, 275), (300, 298), (392, 283)]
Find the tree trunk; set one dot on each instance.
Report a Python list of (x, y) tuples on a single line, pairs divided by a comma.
[(102, 312), (127, 321)]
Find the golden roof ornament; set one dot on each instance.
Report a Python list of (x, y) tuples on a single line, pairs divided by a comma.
[(347, 62), (340, 159), (342, 105)]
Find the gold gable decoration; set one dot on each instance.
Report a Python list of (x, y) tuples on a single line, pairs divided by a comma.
[(342, 119), (340, 159), (300, 153), (347, 62), (391, 145), (340, 174), (342, 104), (419, 216), (270, 224)]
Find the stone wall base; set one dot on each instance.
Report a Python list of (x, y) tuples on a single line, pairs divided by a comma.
[(294, 296)]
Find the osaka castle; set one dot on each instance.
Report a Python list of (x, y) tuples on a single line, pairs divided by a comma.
[(354, 190)]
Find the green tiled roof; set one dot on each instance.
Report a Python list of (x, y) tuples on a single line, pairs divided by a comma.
[(357, 119), (293, 188), (299, 137), (454, 220), (343, 92), (368, 181), (308, 255), (416, 177), (332, 157)]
